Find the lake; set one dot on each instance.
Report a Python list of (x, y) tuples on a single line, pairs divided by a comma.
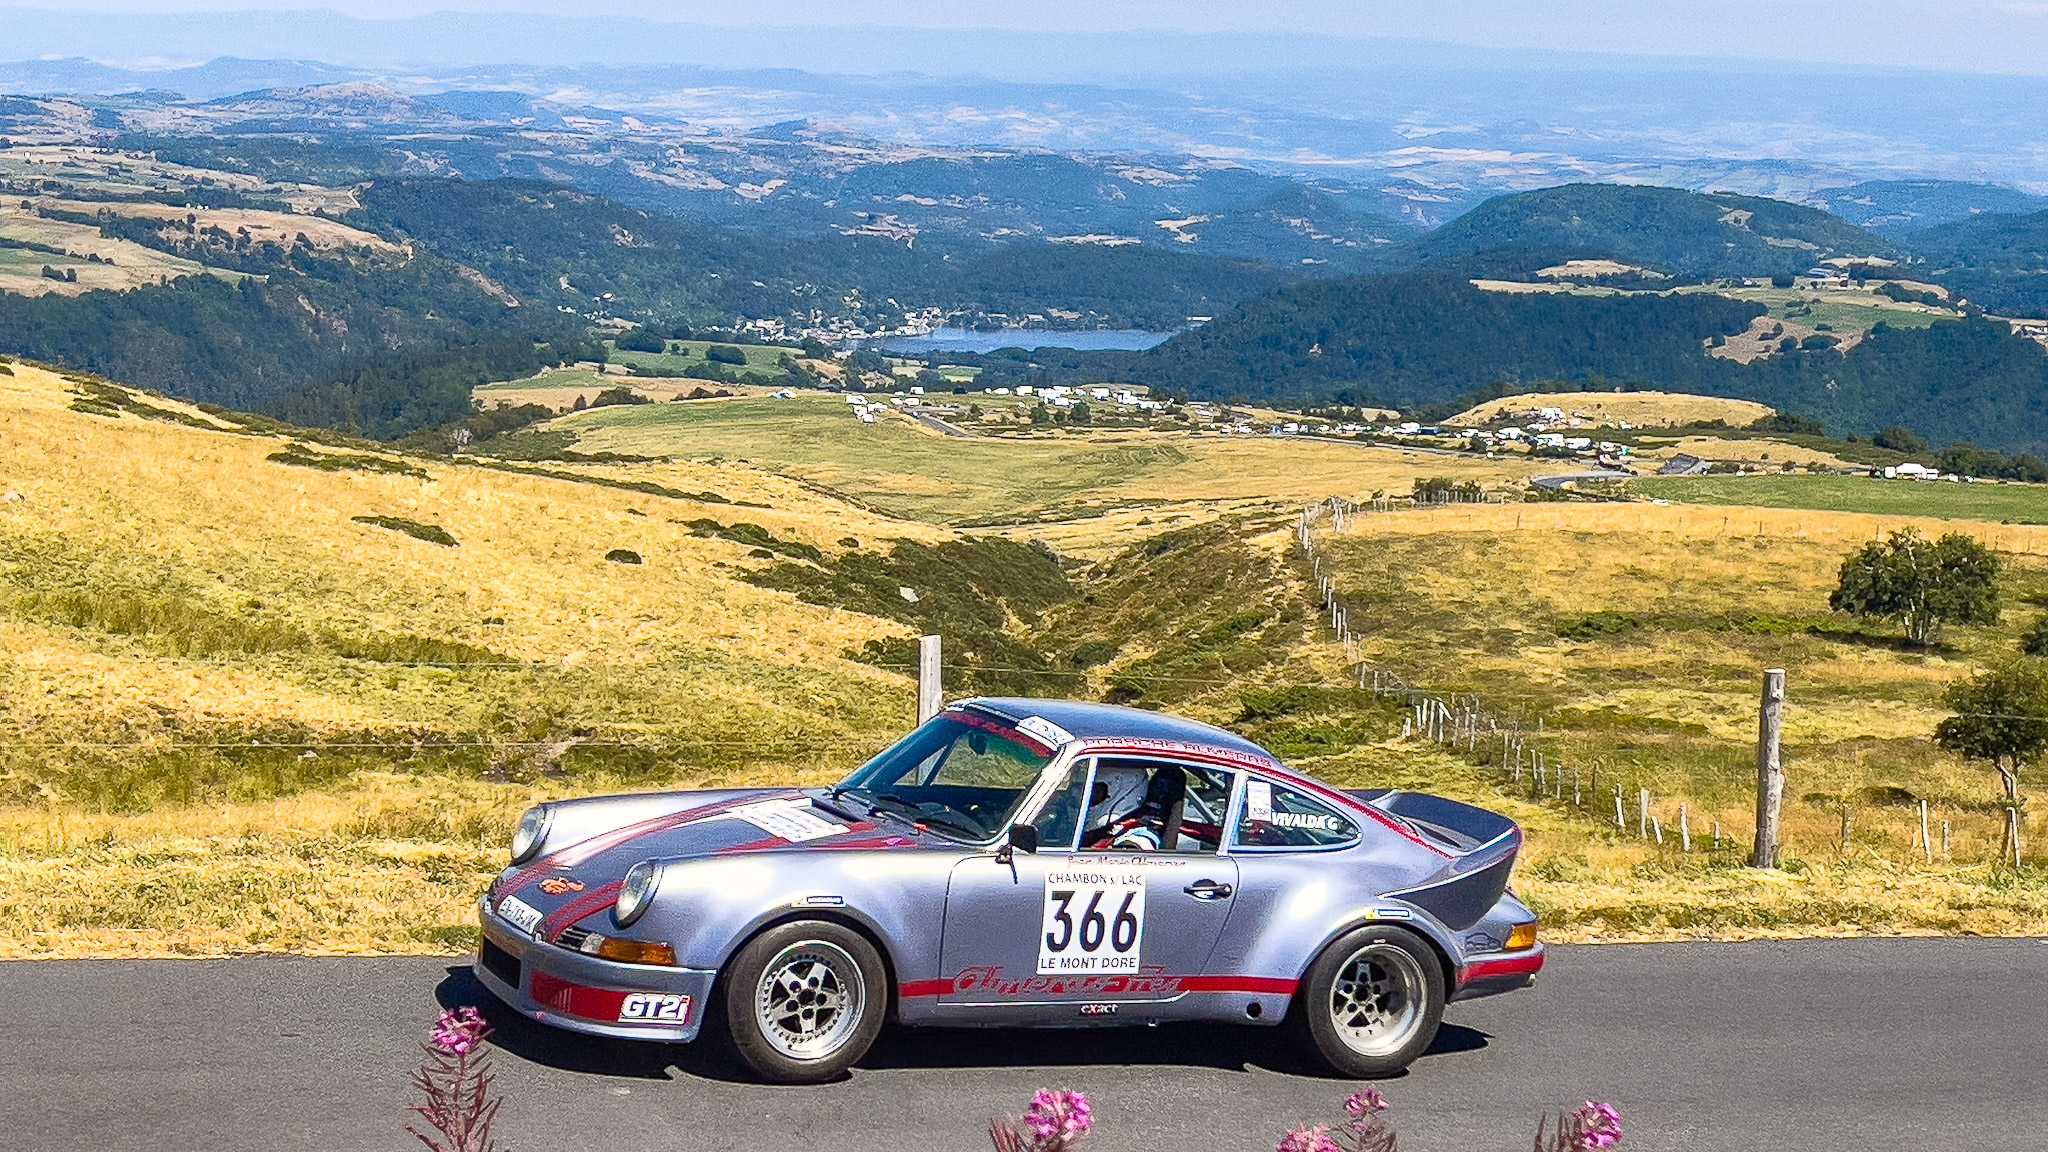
[(968, 340)]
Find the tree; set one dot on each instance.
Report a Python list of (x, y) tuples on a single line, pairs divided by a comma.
[(1953, 580), (2000, 716), (1081, 414), (1899, 439)]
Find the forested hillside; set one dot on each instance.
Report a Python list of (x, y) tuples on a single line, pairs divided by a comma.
[(1691, 233), (1419, 339), (1422, 341), (1998, 262)]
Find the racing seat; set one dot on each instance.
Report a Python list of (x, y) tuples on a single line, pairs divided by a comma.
[(1166, 800)]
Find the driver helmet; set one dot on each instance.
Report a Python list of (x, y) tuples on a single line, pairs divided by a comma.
[(1119, 793)]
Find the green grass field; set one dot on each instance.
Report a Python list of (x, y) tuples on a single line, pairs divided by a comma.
[(682, 353), (2000, 503), (1843, 312), (890, 464)]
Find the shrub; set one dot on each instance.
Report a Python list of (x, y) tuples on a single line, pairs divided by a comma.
[(622, 556), (431, 533), (619, 395), (725, 354), (299, 456), (2035, 642), (640, 340), (1594, 625), (1899, 439)]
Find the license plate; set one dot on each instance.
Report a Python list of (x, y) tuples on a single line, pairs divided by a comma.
[(520, 914)]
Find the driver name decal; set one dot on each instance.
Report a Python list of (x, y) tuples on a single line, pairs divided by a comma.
[(1094, 919), (792, 820)]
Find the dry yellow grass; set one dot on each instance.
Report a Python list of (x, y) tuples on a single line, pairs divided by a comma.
[(1642, 409), (1661, 693)]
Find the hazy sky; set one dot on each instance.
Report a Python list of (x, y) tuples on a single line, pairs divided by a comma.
[(1944, 35)]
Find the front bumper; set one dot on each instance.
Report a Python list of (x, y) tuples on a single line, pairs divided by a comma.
[(1491, 973), (585, 994)]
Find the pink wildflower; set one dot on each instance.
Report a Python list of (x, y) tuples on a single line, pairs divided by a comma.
[(1359, 1105), (1596, 1126), (459, 1031), (1307, 1139), (1055, 1116)]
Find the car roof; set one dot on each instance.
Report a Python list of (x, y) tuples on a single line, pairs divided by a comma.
[(1090, 722)]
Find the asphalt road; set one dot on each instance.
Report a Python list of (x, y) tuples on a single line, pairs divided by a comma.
[(1860, 1044)]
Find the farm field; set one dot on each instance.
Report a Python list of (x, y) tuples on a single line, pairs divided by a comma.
[(123, 264), (906, 469), (683, 353), (1994, 502), (1642, 409)]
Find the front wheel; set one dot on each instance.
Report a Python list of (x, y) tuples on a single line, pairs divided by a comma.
[(1372, 1001), (804, 1000)]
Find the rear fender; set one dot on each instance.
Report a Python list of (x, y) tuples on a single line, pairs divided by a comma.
[(1482, 846)]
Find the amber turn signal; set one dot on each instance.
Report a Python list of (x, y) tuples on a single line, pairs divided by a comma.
[(636, 952), (1524, 936)]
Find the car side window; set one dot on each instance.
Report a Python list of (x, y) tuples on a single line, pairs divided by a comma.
[(1276, 816), (1143, 805), (1060, 819)]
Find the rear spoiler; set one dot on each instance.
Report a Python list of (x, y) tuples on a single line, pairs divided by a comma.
[(1482, 846)]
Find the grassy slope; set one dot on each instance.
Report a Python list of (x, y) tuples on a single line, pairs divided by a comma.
[(2001, 503), (1643, 409), (168, 596), (1660, 693)]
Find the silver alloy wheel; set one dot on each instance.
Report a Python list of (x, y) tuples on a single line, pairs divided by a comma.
[(1376, 1000), (810, 1000)]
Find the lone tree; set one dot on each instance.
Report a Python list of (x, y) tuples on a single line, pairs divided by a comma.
[(1953, 580), (2000, 716)]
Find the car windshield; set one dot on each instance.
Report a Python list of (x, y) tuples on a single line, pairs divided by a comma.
[(961, 775)]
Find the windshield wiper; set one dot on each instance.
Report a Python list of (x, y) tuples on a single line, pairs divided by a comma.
[(919, 816)]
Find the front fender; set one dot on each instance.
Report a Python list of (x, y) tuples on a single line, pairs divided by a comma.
[(708, 908)]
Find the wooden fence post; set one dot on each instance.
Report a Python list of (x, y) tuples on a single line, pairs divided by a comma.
[(1770, 772), (1643, 813), (931, 693), (1926, 845)]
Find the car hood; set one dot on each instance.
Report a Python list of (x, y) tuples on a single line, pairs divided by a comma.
[(586, 874)]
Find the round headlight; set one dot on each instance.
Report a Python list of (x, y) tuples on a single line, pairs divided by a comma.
[(533, 828), (636, 892)]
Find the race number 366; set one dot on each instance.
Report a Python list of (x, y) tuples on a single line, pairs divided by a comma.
[(1094, 920)]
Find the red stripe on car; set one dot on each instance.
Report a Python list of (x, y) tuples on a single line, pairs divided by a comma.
[(1498, 969), (577, 909)]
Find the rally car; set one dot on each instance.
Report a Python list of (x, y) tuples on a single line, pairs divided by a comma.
[(1012, 863)]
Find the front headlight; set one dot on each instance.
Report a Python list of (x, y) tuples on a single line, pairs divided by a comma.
[(533, 828), (636, 892)]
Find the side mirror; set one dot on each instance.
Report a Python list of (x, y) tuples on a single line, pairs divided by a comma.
[(1022, 836)]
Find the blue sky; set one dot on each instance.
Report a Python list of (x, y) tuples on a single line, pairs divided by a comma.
[(1939, 35)]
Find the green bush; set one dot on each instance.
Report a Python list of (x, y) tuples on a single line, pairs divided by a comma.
[(725, 354), (431, 533)]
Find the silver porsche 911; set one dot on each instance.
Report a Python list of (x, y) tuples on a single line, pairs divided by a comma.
[(1012, 863)]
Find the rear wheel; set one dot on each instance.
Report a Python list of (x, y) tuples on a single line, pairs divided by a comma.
[(804, 1000), (1372, 1001)]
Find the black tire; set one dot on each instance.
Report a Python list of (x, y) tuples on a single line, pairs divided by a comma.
[(802, 1001), (1371, 1002)]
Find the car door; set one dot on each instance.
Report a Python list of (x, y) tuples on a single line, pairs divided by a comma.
[(1073, 931)]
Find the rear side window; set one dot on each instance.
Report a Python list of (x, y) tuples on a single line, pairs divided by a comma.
[(1275, 816)]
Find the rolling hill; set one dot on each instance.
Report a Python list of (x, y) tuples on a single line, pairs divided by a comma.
[(1713, 234)]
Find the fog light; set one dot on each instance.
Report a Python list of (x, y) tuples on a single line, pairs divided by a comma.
[(1524, 936), (636, 952)]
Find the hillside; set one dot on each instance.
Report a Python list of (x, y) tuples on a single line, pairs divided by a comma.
[(1426, 343), (1999, 262), (1713, 234), (1899, 209), (1420, 339)]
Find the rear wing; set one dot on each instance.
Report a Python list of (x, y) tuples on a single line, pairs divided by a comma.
[(1482, 846)]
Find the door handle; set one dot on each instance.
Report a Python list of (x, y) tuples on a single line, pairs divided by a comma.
[(1209, 890)]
